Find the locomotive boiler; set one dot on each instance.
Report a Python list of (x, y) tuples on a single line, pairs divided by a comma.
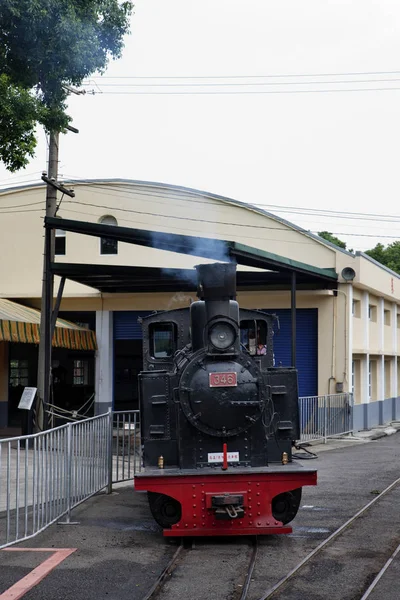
[(218, 417)]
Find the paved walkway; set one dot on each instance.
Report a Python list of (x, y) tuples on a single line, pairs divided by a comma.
[(357, 438)]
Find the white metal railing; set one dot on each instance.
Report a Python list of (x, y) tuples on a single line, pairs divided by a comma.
[(125, 458), (323, 417), (45, 475)]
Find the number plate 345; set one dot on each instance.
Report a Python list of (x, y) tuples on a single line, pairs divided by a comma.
[(223, 379)]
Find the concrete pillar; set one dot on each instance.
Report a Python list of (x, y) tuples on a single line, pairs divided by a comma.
[(104, 362), (349, 321), (381, 324), (365, 379), (393, 391), (3, 384), (365, 319), (380, 392)]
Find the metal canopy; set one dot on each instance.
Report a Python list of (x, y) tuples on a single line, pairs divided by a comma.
[(221, 250), (114, 279), (127, 279)]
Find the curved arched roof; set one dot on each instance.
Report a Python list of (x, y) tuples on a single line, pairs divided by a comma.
[(188, 191)]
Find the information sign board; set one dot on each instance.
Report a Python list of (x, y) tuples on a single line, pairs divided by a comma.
[(27, 398)]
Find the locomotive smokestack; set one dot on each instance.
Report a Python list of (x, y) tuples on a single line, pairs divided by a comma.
[(216, 281), (215, 317)]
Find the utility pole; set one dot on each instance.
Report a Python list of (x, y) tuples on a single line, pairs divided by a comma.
[(47, 283), (46, 308)]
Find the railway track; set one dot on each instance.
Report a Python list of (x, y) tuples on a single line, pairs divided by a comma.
[(250, 570), (239, 585), (310, 562), (168, 570), (236, 580), (381, 573)]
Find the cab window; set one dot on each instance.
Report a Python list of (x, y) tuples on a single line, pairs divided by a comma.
[(253, 336), (163, 340)]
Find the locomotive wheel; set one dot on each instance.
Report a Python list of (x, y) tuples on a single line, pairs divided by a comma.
[(166, 510), (286, 505)]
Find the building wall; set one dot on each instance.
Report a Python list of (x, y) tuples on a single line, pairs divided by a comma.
[(358, 325), (147, 206)]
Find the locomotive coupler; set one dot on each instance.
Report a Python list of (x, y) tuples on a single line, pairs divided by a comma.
[(228, 506)]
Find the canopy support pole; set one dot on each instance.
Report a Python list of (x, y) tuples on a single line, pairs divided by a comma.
[(293, 315), (48, 326), (57, 306)]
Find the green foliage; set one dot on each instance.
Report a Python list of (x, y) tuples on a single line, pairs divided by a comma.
[(389, 256), (19, 112), (45, 45), (333, 239)]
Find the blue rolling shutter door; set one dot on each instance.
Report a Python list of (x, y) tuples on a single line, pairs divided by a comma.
[(306, 346), (126, 325)]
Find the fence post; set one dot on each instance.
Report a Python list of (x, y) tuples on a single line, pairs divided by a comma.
[(69, 471), (110, 452), (325, 418), (351, 404)]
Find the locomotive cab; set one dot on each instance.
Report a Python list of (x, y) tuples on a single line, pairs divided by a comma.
[(212, 401)]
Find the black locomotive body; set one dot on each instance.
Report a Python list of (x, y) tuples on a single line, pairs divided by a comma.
[(218, 418)]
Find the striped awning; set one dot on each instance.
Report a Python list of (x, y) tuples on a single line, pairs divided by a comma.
[(22, 324)]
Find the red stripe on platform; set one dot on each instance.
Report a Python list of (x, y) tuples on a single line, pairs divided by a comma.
[(25, 584)]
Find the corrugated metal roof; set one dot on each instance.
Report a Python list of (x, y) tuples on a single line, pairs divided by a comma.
[(114, 279)]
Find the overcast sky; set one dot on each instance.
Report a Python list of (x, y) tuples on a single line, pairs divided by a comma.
[(331, 150)]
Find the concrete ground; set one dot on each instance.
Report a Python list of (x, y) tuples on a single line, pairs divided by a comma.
[(115, 550)]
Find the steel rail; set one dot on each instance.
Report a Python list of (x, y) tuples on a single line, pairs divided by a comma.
[(250, 570), (380, 574), (167, 571), (329, 539)]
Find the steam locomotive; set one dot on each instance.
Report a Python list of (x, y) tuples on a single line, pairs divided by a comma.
[(218, 418)]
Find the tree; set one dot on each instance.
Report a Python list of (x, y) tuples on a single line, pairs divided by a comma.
[(333, 239), (46, 45), (19, 112), (389, 256)]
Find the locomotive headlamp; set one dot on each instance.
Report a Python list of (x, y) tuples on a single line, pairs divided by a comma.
[(222, 335)]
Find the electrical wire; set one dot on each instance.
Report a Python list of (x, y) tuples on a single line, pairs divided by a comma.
[(4, 212), (228, 203), (214, 222), (20, 205), (254, 92), (15, 177), (314, 231), (279, 75), (247, 84), (179, 229)]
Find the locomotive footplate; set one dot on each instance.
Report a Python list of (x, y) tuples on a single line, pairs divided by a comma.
[(209, 502)]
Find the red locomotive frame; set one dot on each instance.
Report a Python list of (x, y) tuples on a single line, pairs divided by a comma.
[(195, 490)]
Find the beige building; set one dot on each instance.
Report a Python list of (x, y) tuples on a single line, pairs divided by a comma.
[(347, 330)]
